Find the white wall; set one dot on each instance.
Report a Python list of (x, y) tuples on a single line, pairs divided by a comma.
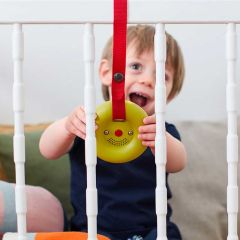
[(53, 71)]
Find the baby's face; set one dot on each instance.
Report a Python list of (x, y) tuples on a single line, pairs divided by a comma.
[(140, 79)]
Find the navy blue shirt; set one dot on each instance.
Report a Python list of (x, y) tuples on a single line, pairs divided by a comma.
[(126, 193)]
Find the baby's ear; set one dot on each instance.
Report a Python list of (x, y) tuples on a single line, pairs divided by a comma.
[(105, 72)]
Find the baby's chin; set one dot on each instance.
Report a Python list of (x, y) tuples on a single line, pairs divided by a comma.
[(149, 110)]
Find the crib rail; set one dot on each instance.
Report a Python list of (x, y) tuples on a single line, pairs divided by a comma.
[(80, 11)]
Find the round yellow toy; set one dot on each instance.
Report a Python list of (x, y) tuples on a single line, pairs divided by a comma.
[(117, 141)]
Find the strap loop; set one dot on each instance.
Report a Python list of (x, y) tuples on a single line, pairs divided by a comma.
[(119, 60)]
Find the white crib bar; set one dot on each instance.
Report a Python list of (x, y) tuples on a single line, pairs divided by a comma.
[(232, 137), (160, 140), (149, 11), (90, 142), (19, 138)]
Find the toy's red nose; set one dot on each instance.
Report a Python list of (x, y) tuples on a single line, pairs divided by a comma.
[(118, 133)]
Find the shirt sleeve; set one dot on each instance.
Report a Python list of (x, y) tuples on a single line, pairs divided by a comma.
[(170, 128), (78, 144)]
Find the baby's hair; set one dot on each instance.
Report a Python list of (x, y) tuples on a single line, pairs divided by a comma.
[(143, 38)]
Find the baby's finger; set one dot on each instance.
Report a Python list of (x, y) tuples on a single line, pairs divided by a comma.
[(147, 128), (79, 125), (80, 114), (150, 144), (149, 119), (79, 133), (147, 136), (73, 130)]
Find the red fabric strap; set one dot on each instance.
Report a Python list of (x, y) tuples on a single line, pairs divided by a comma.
[(119, 60)]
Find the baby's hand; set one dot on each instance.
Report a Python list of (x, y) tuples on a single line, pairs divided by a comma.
[(147, 132), (76, 123)]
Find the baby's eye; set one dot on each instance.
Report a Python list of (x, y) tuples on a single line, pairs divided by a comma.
[(136, 66)]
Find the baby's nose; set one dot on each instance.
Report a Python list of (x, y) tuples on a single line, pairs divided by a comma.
[(149, 79)]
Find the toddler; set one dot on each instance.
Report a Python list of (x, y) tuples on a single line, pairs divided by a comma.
[(126, 191)]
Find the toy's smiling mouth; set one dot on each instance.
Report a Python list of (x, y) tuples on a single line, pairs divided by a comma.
[(138, 98), (118, 142)]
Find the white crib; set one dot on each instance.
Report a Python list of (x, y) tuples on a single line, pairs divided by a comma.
[(18, 13)]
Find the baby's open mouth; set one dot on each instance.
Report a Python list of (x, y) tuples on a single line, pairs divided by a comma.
[(139, 99)]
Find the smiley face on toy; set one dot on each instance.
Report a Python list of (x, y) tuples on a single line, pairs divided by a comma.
[(117, 142), (118, 134)]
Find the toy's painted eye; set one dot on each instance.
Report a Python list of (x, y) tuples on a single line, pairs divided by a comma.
[(106, 132), (130, 133)]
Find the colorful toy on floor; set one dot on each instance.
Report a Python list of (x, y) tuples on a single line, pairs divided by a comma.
[(54, 236)]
